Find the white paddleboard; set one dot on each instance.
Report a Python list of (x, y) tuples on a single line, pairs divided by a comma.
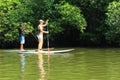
[(16, 50), (46, 52)]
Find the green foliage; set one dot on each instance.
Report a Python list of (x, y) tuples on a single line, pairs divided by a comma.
[(99, 20), (71, 15), (113, 14), (113, 20), (61, 15), (11, 14), (94, 12)]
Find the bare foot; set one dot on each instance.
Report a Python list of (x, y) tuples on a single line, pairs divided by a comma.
[(22, 50)]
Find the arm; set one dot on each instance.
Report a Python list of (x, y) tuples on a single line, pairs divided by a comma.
[(26, 31), (46, 23), (45, 32), (40, 28)]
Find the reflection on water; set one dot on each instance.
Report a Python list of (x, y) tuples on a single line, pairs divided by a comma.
[(22, 58), (41, 67), (81, 64)]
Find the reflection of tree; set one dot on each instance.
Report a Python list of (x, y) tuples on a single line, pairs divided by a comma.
[(42, 71), (22, 59)]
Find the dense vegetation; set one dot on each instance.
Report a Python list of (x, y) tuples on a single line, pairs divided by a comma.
[(71, 22)]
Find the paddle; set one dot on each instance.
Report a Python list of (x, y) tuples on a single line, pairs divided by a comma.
[(48, 44), (34, 36)]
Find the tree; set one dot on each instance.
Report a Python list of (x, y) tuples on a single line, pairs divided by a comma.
[(71, 15), (61, 16), (70, 21), (113, 22), (12, 12), (94, 12)]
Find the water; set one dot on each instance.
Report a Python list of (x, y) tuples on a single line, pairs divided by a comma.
[(80, 64)]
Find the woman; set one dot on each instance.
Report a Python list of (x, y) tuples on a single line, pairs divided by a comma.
[(40, 33)]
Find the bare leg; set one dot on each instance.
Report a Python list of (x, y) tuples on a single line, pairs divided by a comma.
[(40, 44), (21, 47)]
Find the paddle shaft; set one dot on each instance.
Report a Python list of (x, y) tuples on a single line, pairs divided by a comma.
[(34, 36), (48, 44)]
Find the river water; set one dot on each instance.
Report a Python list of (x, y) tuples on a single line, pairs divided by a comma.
[(80, 64)]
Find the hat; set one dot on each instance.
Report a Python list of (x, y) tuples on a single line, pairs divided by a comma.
[(41, 20)]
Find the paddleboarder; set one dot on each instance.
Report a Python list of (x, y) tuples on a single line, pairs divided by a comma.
[(40, 33), (22, 32)]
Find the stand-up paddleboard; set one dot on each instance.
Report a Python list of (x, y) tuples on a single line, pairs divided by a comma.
[(46, 52), (16, 50)]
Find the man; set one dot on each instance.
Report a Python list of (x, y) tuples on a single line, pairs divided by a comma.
[(40, 33), (22, 36)]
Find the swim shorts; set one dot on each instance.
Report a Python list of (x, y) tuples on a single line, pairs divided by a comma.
[(40, 36), (22, 39)]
